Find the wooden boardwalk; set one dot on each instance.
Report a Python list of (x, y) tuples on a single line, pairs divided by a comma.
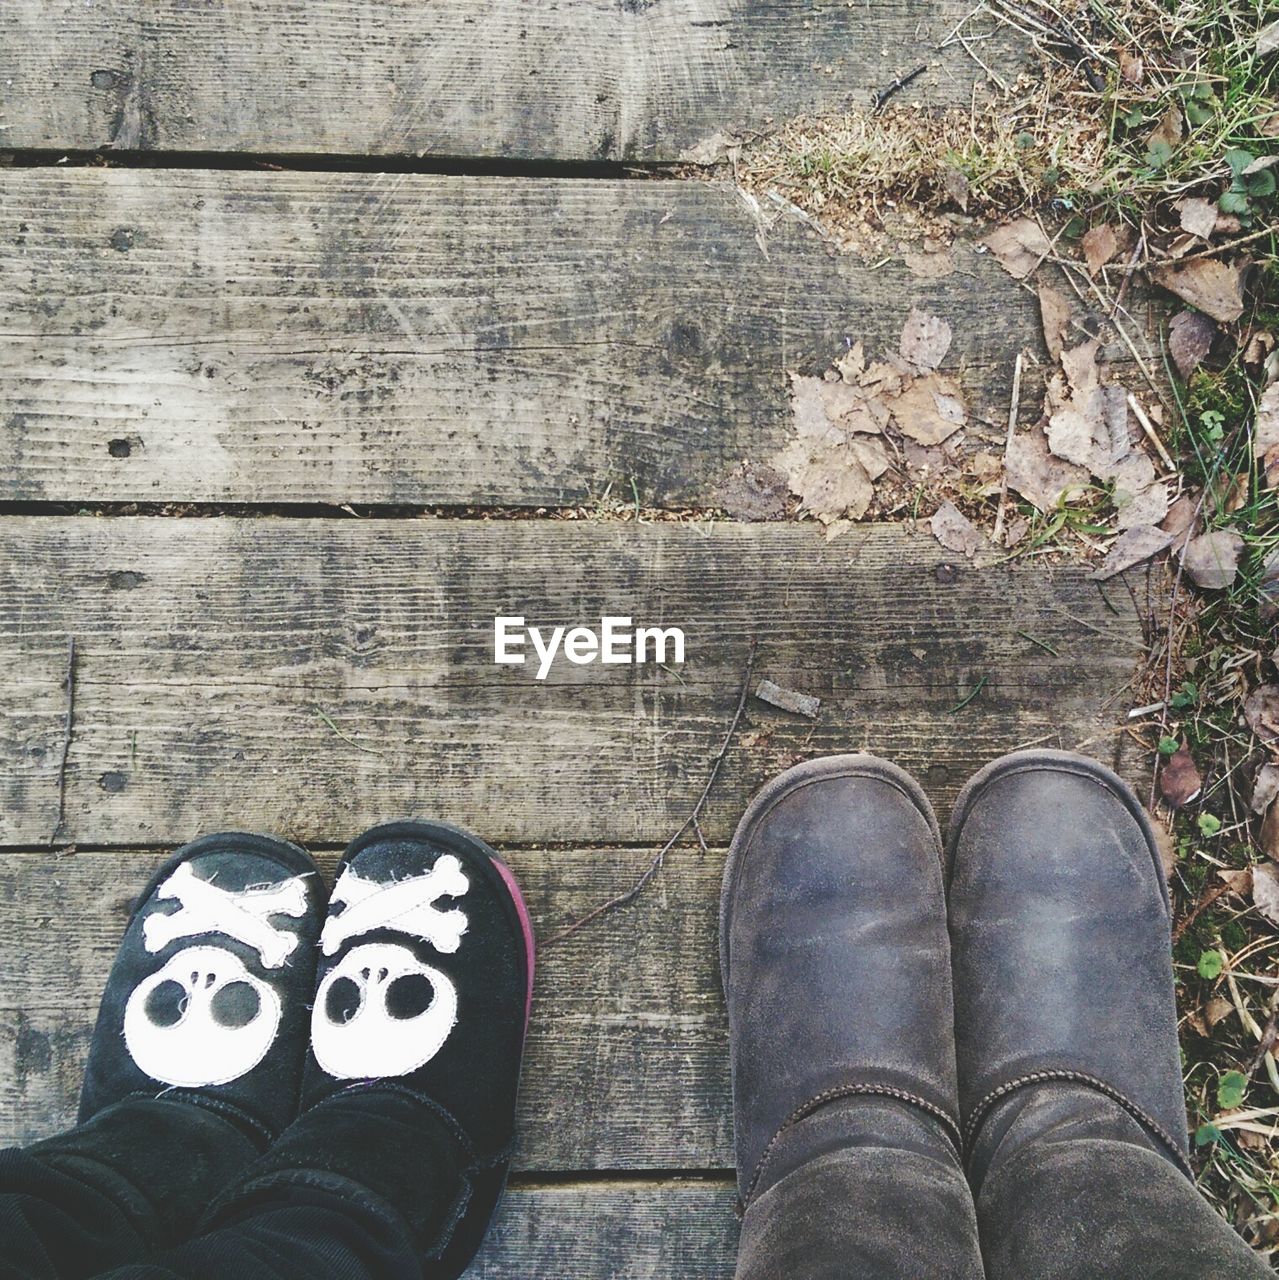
[(191, 327)]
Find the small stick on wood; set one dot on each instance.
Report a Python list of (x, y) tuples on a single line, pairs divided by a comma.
[(1129, 271), (625, 899), (701, 839), (68, 725), (1149, 428), (1225, 248), (897, 86), (1014, 406)]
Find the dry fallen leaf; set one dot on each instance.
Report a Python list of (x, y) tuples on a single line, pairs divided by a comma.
[(1080, 366), (1196, 1021), (1217, 1009), (1198, 216), (1034, 473), (1212, 559), (1237, 882), (1169, 131), (929, 410), (836, 455), (1100, 244), (1018, 246), (1088, 425), (955, 185), (1190, 336), (1265, 890), (1131, 67), (1182, 520), (955, 531), (930, 262), (882, 379), (1130, 548), (1268, 837), (1140, 499), (1266, 788), (852, 364), (829, 480), (1079, 435), (828, 410), (1258, 346), (1054, 313), (1214, 287), (1265, 436), (1261, 711), (1268, 40), (925, 340), (754, 491), (1179, 780), (1268, 591)]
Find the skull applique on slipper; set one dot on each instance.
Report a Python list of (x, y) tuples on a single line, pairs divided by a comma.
[(423, 988), (209, 996)]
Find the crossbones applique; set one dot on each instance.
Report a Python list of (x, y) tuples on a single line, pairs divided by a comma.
[(244, 915), (403, 905)]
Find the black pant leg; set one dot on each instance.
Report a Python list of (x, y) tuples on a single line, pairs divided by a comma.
[(136, 1177), (330, 1240), (368, 1185)]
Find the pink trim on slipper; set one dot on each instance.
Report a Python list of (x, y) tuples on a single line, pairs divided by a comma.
[(526, 924)]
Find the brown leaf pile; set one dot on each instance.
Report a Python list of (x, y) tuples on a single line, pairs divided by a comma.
[(845, 419), (1087, 435)]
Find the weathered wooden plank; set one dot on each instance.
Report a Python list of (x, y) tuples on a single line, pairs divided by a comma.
[(305, 676), (628, 1052), (582, 79), (302, 337), (602, 1231)]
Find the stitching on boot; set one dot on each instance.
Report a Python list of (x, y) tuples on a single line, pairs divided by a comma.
[(984, 1107), (220, 1107), (948, 1122)]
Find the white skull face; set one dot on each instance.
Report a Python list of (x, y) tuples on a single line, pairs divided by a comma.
[(202, 1020), (381, 1012)]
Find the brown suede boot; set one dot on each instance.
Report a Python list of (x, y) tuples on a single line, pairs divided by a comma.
[(836, 970), (1066, 1032)]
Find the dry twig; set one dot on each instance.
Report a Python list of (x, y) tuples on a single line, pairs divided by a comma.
[(68, 725), (625, 899), (898, 85)]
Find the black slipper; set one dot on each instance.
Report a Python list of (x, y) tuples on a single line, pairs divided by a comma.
[(209, 997), (423, 988)]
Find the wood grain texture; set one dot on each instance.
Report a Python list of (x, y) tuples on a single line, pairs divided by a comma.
[(603, 1231), (309, 676), (577, 80), (627, 1062), (300, 337)]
